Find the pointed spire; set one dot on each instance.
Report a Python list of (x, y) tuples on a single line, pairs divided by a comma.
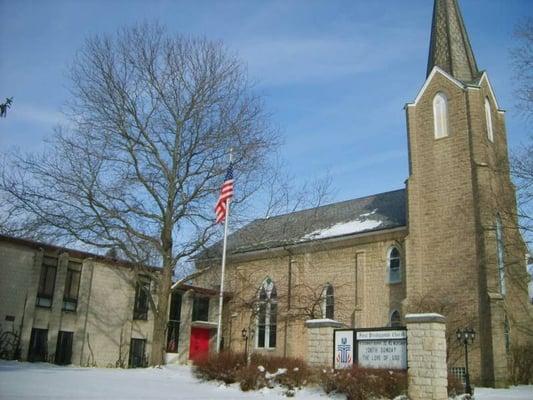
[(450, 48)]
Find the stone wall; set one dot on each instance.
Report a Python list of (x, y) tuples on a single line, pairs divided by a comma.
[(357, 269), (320, 342), (426, 357)]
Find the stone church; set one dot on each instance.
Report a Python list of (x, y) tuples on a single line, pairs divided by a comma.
[(448, 242)]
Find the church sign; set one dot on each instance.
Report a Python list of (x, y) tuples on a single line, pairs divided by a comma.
[(371, 348), (343, 351)]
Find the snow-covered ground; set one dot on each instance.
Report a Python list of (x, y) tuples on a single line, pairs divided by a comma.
[(50, 382)]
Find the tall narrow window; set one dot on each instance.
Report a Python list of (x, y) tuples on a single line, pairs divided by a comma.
[(488, 117), (45, 293), (142, 291), (328, 308), (200, 309), (395, 319), (174, 316), (507, 334), (440, 115), (394, 265), (501, 255), (267, 315), (72, 286)]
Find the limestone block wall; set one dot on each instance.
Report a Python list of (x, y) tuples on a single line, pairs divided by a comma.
[(356, 268), (320, 342), (426, 357)]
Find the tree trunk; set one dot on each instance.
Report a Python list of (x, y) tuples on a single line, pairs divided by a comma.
[(161, 314)]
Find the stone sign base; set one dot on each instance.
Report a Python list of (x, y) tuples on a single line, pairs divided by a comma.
[(426, 357)]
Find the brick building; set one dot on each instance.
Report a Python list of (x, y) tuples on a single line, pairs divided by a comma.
[(447, 243)]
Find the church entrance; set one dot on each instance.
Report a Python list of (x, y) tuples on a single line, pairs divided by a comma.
[(199, 344)]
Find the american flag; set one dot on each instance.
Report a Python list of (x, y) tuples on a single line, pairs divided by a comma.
[(226, 193)]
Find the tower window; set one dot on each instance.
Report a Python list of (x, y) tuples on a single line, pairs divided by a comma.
[(394, 265), (500, 248), (440, 115), (328, 306), (267, 315), (488, 117)]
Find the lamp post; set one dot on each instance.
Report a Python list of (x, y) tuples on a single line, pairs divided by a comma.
[(245, 336), (466, 336)]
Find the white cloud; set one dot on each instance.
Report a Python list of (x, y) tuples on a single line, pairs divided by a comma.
[(35, 114)]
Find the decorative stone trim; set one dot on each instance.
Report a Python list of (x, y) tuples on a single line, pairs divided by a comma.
[(424, 318), (323, 323)]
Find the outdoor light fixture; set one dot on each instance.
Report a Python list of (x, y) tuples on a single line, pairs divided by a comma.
[(244, 334), (466, 336)]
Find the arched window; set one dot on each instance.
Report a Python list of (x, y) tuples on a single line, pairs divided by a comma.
[(267, 315), (501, 255), (395, 319), (328, 305), (394, 265), (488, 117), (440, 115)]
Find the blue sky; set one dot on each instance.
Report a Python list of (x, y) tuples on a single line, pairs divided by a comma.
[(334, 74)]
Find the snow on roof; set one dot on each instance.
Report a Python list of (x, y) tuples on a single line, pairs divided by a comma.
[(345, 228), (371, 213)]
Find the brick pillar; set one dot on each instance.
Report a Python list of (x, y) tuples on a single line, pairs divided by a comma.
[(320, 341), (185, 326), (426, 357)]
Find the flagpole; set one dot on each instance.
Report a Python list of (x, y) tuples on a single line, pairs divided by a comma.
[(221, 294)]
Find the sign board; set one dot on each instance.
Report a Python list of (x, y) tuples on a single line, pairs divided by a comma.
[(371, 348), (343, 350)]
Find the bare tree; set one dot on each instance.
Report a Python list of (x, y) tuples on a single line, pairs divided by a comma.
[(522, 62), (153, 118), (522, 172), (521, 160)]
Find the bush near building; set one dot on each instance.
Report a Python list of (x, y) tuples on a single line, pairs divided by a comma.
[(292, 373)]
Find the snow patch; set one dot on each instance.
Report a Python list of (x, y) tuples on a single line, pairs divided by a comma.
[(280, 371), (344, 228)]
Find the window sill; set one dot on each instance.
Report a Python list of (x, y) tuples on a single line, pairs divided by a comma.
[(268, 349)]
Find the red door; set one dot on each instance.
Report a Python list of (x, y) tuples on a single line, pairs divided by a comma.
[(199, 344)]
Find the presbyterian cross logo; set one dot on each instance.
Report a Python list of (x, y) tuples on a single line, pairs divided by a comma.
[(343, 352)]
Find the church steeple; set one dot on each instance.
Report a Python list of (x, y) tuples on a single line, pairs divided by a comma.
[(450, 48)]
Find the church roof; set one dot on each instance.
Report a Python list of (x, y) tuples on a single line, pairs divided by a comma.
[(450, 47), (366, 214)]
